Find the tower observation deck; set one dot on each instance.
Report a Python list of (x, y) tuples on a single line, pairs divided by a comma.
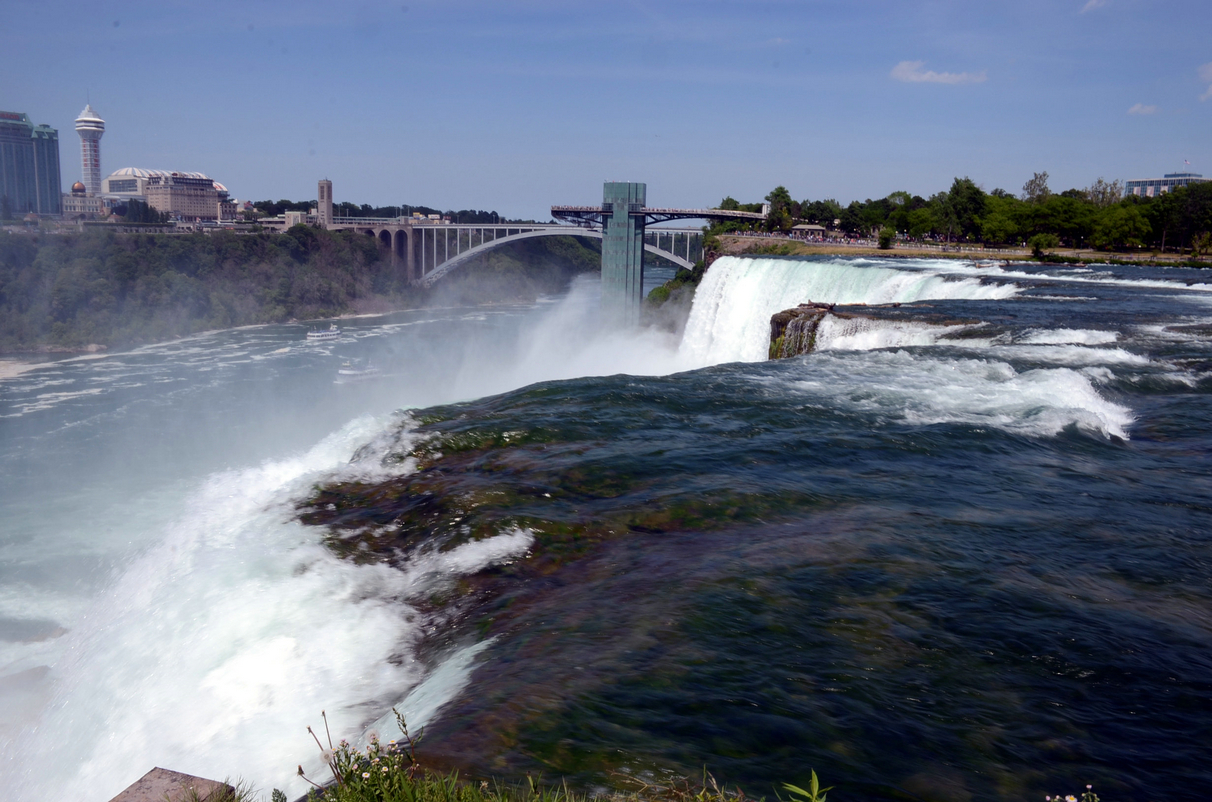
[(91, 128), (623, 217)]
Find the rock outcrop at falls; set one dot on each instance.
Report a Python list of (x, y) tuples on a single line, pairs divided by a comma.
[(794, 331)]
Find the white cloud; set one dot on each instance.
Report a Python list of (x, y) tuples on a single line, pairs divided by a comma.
[(1093, 4), (1205, 74), (912, 72), (1141, 108)]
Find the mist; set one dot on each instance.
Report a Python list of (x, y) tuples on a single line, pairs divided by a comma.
[(162, 607)]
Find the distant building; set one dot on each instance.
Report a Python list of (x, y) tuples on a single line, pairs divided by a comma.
[(91, 128), (79, 205), (29, 166), (129, 183), (1151, 187), (324, 203), (184, 195)]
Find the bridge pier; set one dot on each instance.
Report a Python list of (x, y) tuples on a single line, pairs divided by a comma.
[(623, 251)]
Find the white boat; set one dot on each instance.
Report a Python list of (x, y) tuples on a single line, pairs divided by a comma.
[(331, 333), (352, 370)]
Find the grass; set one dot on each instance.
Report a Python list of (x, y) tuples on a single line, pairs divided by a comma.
[(391, 772)]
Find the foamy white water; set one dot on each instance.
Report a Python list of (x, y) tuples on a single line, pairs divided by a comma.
[(901, 387), (730, 319), (225, 627), (213, 650)]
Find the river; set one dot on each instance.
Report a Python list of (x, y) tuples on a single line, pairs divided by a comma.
[(963, 561)]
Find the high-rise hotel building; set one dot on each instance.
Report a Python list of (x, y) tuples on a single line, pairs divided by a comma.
[(29, 166)]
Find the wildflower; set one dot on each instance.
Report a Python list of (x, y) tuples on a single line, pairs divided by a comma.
[(1070, 798), (366, 775), (372, 736), (376, 760), (384, 769)]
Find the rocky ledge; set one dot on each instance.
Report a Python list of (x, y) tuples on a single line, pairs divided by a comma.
[(794, 331)]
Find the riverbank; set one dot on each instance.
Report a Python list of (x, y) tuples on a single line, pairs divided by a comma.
[(740, 244), (89, 291)]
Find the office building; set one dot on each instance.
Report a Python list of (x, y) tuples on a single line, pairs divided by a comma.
[(29, 166), (1151, 187)]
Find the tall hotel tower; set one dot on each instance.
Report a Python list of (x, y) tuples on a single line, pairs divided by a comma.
[(91, 128)]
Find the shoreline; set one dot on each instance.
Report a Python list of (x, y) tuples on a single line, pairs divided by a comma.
[(744, 245)]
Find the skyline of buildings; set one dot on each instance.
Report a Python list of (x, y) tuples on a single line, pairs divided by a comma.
[(30, 173)]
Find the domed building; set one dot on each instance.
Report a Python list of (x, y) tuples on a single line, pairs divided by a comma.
[(80, 205), (184, 195)]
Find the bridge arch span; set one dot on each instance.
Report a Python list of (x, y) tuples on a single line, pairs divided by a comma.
[(563, 231)]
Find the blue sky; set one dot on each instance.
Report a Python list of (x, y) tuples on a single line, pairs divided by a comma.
[(515, 106)]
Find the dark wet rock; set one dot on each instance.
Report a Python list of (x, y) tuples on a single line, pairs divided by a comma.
[(793, 331)]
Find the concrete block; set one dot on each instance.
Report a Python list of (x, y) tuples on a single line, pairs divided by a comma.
[(162, 785)]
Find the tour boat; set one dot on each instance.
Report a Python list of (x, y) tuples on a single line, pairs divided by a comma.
[(352, 370), (331, 333)]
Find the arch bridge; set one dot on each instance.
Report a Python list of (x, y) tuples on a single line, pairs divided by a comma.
[(428, 250)]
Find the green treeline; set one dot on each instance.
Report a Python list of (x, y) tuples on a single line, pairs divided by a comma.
[(101, 287), (272, 208), (1099, 216)]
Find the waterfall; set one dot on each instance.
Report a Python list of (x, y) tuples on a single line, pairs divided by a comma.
[(730, 318)]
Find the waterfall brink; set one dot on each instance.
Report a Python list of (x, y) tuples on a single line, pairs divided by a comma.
[(730, 319)]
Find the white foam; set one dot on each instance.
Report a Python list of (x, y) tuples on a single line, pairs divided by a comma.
[(730, 318), (1068, 336), (865, 334), (897, 386), (218, 645)]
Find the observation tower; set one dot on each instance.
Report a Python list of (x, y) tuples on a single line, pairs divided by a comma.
[(91, 128)]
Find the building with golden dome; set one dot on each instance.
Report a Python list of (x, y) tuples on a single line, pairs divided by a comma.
[(79, 205)]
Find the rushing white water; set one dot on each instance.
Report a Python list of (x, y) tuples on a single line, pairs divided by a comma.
[(900, 387), (730, 319), (238, 604), (184, 619)]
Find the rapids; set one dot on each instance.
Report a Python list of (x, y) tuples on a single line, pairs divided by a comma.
[(956, 562)]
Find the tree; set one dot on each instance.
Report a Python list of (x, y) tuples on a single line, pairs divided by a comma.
[(1036, 190), (779, 216), (943, 212), (887, 237), (1118, 227), (999, 226), (852, 218), (1040, 242), (729, 204), (920, 222), (968, 205), (1103, 194)]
